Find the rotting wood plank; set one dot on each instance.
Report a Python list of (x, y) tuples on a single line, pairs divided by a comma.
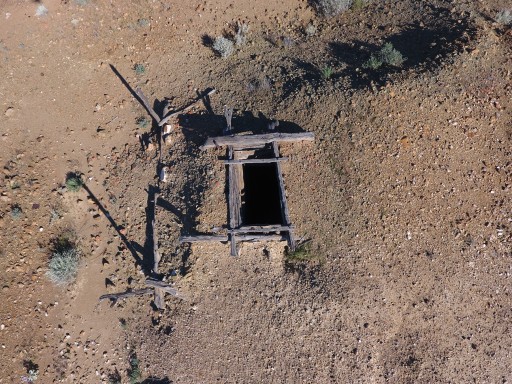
[(255, 161), (285, 214), (256, 229), (254, 140), (123, 295), (157, 284), (225, 238), (145, 101), (159, 293)]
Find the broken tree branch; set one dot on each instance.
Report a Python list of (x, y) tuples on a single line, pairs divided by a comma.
[(123, 295), (145, 101), (166, 118)]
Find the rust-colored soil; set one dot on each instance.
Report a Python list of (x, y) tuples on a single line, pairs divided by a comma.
[(405, 195)]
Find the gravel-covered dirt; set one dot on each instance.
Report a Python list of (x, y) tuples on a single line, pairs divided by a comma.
[(404, 195)]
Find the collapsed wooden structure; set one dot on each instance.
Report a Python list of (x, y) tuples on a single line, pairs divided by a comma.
[(244, 152)]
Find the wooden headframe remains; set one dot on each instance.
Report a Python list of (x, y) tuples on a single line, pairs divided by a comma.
[(241, 156)]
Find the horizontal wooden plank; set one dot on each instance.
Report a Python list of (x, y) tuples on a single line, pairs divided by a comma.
[(251, 140), (223, 238), (255, 161), (264, 228)]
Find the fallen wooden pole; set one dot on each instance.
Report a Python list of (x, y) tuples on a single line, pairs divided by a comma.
[(225, 238), (256, 229), (250, 140), (145, 101), (123, 295), (164, 287), (255, 161)]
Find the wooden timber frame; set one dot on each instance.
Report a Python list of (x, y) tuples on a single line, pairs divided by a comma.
[(236, 143)]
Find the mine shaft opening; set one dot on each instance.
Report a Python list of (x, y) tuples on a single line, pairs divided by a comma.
[(261, 202)]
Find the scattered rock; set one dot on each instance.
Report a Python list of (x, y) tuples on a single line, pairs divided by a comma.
[(9, 112)]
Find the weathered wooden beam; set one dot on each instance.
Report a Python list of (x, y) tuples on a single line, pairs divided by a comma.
[(224, 238), (157, 284), (255, 161), (257, 229), (166, 118), (254, 140), (203, 238), (285, 214), (159, 293), (145, 101), (123, 295), (234, 250)]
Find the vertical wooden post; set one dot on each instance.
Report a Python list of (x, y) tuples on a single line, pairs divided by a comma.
[(285, 214)]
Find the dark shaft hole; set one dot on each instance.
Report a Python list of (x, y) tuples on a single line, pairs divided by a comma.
[(260, 200)]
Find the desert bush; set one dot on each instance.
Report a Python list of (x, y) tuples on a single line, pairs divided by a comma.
[(327, 72), (139, 69), (74, 182), (330, 8), (241, 31), (16, 212), (387, 55), (504, 17), (223, 46), (358, 4), (302, 253), (142, 121), (310, 30), (134, 372), (64, 262)]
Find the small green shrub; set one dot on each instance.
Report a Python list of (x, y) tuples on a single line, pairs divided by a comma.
[(240, 37), (387, 55), (64, 262), (142, 121), (359, 4), (327, 72), (139, 69), (134, 372), (373, 63), (16, 212), (302, 253), (504, 17), (74, 182), (223, 46), (331, 8)]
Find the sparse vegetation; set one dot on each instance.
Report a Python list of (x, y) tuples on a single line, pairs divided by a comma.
[(139, 69), (358, 4), (504, 17), (223, 46), (74, 182), (310, 30), (64, 262), (387, 55), (302, 253), (327, 72), (114, 377), (331, 8), (142, 121), (242, 29), (32, 372), (134, 373), (16, 212)]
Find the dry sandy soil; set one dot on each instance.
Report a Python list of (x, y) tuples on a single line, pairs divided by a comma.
[(405, 193)]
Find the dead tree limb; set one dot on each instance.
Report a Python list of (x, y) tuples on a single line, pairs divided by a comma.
[(145, 101), (159, 294), (123, 295), (157, 284), (166, 118)]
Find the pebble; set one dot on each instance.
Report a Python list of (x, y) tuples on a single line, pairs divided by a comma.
[(9, 112)]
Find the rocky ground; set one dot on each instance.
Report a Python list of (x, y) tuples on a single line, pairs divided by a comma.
[(404, 195)]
